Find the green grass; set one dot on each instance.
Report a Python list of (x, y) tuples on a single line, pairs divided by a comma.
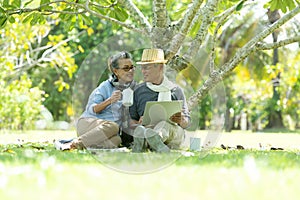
[(38, 171)]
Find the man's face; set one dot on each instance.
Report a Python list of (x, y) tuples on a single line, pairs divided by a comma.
[(152, 73)]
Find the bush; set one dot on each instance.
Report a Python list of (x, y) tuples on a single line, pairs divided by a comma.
[(20, 104)]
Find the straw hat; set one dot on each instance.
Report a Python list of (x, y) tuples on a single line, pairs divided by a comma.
[(152, 56)]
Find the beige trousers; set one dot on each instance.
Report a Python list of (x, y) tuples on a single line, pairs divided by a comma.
[(98, 133), (172, 135)]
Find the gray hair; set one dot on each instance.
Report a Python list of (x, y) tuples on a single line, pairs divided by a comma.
[(113, 61)]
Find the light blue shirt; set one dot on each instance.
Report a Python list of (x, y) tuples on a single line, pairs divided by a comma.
[(100, 94)]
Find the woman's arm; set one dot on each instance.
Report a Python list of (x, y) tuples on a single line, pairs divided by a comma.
[(116, 96)]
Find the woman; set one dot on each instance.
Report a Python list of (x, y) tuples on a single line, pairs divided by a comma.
[(98, 126)]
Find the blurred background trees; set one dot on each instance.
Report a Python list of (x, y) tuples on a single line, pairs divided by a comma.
[(42, 56)]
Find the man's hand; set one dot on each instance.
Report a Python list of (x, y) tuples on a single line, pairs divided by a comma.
[(177, 118), (180, 119), (141, 120), (135, 123)]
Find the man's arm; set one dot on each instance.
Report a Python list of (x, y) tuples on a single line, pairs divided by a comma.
[(181, 118)]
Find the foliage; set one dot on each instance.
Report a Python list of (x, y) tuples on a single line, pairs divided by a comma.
[(20, 99), (34, 60), (20, 102), (284, 6), (55, 78), (168, 25), (256, 93)]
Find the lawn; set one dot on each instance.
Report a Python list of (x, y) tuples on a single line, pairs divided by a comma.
[(35, 170)]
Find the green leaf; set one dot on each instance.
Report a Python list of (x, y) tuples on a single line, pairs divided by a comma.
[(5, 3), (273, 5), (27, 3), (35, 19), (121, 14), (62, 16), (195, 28), (42, 19), (239, 6), (80, 21), (112, 14), (282, 6), (178, 13), (17, 3), (2, 10), (101, 11), (44, 1), (290, 4), (11, 19), (3, 20), (28, 18), (86, 19), (69, 25), (48, 7)]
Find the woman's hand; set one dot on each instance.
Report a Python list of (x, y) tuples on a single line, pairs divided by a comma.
[(116, 96)]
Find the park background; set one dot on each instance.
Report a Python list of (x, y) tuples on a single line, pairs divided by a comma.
[(51, 61)]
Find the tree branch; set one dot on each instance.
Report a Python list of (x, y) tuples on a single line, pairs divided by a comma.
[(209, 10), (160, 15), (250, 46), (25, 66), (241, 54), (48, 51), (137, 14), (181, 35), (85, 8), (231, 10), (111, 19), (100, 6), (269, 46), (220, 19), (40, 8)]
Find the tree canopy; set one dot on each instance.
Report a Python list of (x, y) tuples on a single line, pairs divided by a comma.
[(196, 19), (188, 31)]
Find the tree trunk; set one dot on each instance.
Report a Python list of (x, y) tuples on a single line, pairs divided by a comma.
[(275, 116)]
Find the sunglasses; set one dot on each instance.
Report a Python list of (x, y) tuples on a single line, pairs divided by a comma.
[(128, 68)]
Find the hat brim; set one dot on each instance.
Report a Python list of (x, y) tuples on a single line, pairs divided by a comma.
[(152, 62)]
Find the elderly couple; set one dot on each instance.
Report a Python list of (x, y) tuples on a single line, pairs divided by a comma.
[(107, 123)]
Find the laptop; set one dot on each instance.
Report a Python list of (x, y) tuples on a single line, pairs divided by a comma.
[(157, 111)]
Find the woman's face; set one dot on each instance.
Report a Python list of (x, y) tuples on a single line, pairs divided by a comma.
[(125, 72)]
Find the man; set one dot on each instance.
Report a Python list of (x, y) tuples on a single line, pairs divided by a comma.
[(156, 87)]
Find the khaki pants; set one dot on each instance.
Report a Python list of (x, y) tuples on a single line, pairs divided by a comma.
[(172, 135), (98, 133)]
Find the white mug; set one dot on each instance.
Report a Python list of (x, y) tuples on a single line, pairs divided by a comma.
[(127, 97), (195, 144)]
